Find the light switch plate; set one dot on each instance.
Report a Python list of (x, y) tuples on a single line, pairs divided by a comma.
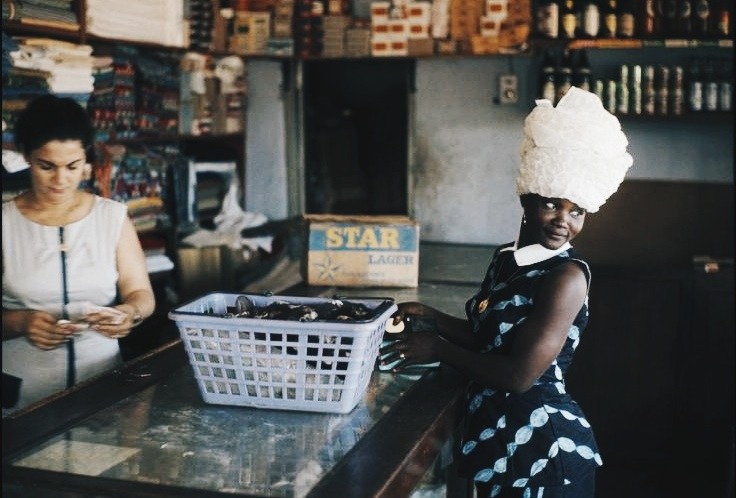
[(508, 89)]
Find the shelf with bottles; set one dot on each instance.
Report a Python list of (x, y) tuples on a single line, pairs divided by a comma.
[(668, 87), (630, 24), (632, 43)]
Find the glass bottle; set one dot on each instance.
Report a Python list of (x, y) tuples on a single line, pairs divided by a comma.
[(722, 17), (611, 96), (669, 18), (583, 75), (625, 19), (684, 18), (609, 17), (622, 91), (648, 20), (701, 19), (662, 88), (694, 86), (599, 90), (636, 90), (649, 95), (568, 20), (710, 87), (591, 19), (725, 87), (564, 75), (676, 92), (547, 19), (547, 88)]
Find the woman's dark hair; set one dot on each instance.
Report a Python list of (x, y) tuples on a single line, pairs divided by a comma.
[(48, 118), (527, 199)]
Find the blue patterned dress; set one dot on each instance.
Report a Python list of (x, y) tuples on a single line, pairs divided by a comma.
[(539, 438)]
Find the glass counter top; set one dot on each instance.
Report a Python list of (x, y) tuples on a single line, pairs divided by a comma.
[(166, 434), (144, 430)]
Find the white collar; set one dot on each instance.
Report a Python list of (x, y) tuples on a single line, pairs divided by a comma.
[(528, 255)]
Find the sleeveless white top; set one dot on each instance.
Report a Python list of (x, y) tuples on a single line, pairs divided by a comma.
[(32, 279)]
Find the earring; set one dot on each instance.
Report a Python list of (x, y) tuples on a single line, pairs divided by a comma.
[(523, 219)]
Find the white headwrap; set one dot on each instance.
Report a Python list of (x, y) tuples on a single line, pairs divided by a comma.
[(575, 151)]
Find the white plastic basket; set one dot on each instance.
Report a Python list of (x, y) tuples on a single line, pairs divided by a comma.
[(318, 366)]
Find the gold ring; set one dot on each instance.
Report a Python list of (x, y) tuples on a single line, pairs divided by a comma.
[(402, 356)]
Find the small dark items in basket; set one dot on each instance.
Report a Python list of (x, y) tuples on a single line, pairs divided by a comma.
[(335, 309)]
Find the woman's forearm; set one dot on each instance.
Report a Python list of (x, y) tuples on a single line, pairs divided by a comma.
[(140, 303), (14, 322), (454, 329)]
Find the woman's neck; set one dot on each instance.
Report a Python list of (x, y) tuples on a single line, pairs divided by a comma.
[(53, 213), (38, 203)]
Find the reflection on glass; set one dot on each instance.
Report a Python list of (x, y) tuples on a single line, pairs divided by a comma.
[(166, 434)]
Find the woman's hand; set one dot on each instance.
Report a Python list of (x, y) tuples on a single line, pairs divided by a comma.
[(46, 332), (115, 322), (416, 348), (412, 308)]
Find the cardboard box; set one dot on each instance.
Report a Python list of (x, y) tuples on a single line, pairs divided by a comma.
[(250, 32), (421, 46), (362, 251)]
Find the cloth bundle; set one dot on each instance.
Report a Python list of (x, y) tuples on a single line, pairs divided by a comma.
[(575, 151)]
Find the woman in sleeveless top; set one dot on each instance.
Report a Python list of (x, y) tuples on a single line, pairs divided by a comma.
[(74, 272)]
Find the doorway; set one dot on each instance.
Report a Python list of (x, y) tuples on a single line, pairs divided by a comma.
[(356, 135)]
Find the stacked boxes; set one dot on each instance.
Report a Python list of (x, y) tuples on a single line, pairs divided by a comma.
[(394, 28), (282, 41), (201, 24), (464, 16), (251, 31), (334, 37), (516, 27), (419, 18), (358, 40), (308, 28), (419, 21), (496, 12), (504, 25), (380, 31), (283, 17), (440, 19), (312, 28)]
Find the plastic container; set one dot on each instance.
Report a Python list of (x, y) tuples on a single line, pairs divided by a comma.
[(317, 366)]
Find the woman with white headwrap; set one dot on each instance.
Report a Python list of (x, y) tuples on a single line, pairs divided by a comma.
[(524, 436)]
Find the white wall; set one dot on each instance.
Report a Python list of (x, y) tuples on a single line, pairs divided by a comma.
[(465, 147), (265, 186)]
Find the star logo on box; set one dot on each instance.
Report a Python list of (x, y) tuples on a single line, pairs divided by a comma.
[(327, 269)]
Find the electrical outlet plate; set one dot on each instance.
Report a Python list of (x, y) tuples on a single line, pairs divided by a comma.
[(508, 89)]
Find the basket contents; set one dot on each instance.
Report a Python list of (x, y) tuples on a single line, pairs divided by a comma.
[(334, 309), (312, 354)]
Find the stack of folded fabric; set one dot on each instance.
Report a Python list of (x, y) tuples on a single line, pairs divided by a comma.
[(69, 65), (160, 22), (38, 66)]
